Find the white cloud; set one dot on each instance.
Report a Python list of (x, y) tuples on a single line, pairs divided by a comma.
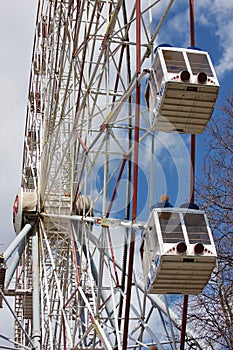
[(216, 16), (212, 18), (16, 39)]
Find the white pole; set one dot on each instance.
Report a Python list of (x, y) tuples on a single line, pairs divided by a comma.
[(36, 331), (10, 250), (11, 269)]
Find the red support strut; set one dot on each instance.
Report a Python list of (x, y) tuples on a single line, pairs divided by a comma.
[(135, 174), (192, 177)]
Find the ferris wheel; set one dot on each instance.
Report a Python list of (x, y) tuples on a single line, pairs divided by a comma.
[(79, 215)]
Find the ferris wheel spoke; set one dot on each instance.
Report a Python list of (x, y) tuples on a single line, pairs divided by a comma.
[(57, 289)]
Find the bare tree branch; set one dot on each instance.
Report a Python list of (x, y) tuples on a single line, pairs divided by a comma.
[(212, 312)]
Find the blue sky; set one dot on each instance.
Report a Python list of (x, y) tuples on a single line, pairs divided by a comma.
[(214, 34)]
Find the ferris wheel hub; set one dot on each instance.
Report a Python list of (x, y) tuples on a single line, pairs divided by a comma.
[(25, 204)]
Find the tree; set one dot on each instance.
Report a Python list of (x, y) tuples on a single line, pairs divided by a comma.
[(213, 309)]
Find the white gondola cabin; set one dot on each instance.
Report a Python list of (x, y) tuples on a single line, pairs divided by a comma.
[(178, 252), (181, 91)]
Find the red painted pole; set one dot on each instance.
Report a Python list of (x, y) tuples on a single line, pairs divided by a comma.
[(193, 137), (135, 174), (192, 167), (184, 322), (116, 187), (192, 177)]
